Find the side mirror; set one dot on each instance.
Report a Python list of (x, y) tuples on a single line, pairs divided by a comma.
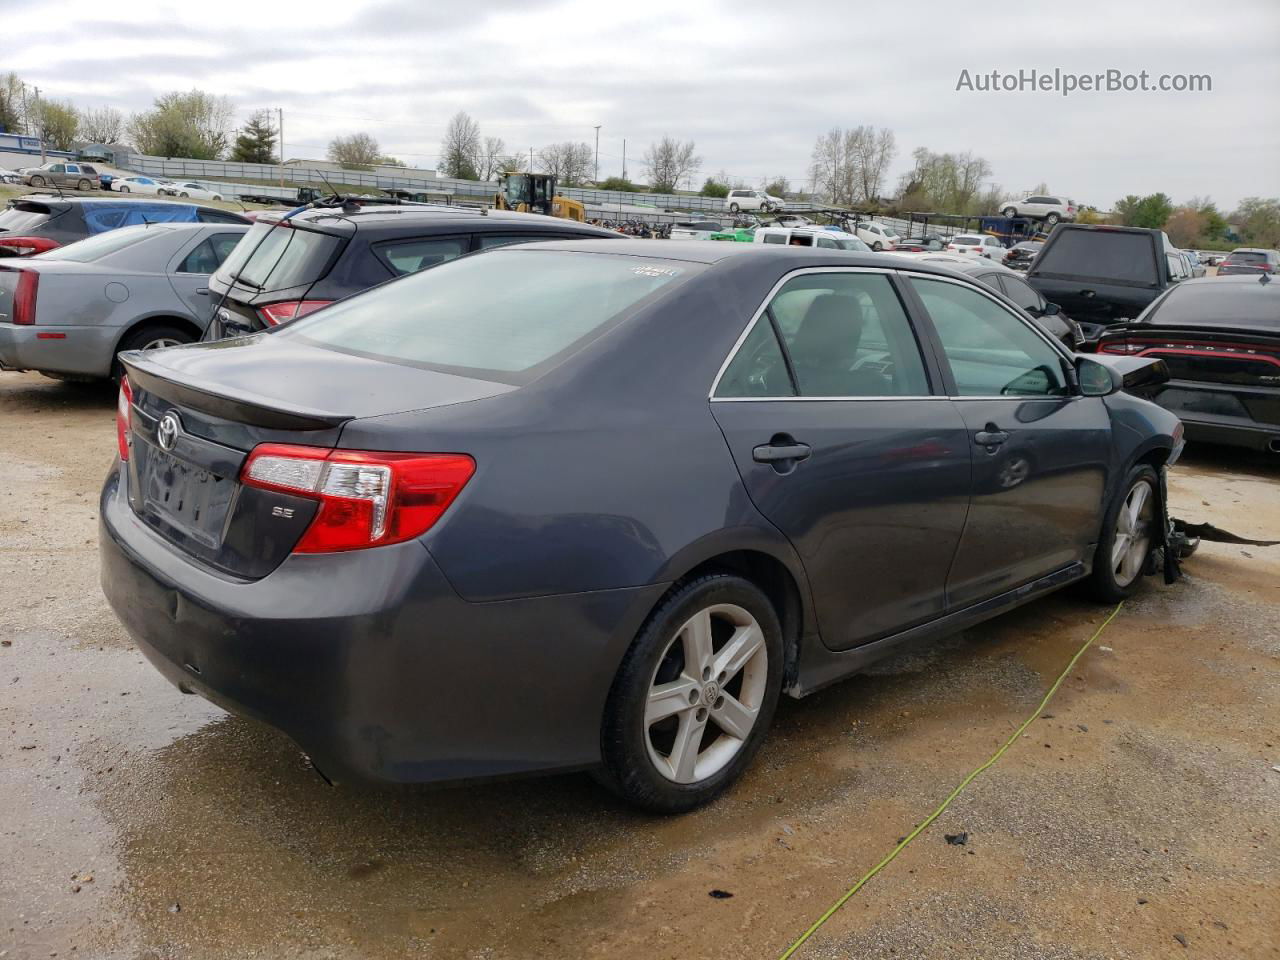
[(1050, 310), (1095, 379)]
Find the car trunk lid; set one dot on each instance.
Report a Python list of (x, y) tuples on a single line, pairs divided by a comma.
[(198, 411)]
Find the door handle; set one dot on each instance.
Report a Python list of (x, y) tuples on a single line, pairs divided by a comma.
[(774, 452), (202, 291), (990, 437)]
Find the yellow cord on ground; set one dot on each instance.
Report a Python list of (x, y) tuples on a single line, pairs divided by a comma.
[(902, 844)]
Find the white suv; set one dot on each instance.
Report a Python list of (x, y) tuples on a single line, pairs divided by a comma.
[(976, 245), (1048, 209), (753, 200)]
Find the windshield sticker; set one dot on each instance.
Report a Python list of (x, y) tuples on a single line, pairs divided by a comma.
[(655, 272)]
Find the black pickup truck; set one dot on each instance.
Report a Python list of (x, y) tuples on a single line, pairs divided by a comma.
[(1102, 274)]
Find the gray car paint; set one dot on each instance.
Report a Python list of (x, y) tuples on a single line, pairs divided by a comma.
[(488, 645), (95, 305)]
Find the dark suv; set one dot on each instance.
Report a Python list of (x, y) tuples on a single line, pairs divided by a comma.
[(287, 268), (1103, 274), (40, 222)]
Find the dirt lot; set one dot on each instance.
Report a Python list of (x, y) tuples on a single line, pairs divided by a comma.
[(1139, 818)]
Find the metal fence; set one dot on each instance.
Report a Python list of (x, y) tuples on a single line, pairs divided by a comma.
[(603, 200)]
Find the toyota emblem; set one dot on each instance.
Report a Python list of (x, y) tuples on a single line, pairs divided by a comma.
[(167, 432)]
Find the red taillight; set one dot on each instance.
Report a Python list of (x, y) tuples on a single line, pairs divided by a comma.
[(28, 246), (276, 313), (24, 297), (367, 499), (124, 401)]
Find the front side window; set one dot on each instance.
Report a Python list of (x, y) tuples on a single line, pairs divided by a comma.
[(992, 352), (1021, 293), (846, 335)]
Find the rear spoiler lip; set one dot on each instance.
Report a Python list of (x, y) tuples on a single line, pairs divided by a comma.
[(214, 398), (1266, 337)]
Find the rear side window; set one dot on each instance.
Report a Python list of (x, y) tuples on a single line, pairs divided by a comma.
[(1248, 256), (774, 238), (211, 215), (208, 256), (273, 257), (410, 256), (487, 241), (758, 369), (506, 316), (1100, 255), (847, 335)]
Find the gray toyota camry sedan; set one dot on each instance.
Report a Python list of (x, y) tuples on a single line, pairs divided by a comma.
[(598, 504)]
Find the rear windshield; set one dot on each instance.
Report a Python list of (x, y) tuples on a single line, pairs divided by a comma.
[(275, 257), (86, 251), (970, 241), (1217, 303), (1100, 255), (17, 219), (1248, 257), (506, 315)]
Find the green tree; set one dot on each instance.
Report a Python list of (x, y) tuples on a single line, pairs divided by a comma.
[(714, 188), (12, 113), (192, 124), (1151, 211), (256, 141), (1215, 224), (55, 123), (1259, 221), (778, 187), (386, 161)]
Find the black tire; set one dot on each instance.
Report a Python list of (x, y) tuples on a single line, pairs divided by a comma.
[(123, 189), (184, 194), (629, 769), (37, 181), (1103, 582), (734, 208), (1009, 212), (82, 185), (1052, 219), (877, 246), (144, 339)]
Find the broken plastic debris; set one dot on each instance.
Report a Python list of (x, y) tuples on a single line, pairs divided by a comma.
[(957, 839)]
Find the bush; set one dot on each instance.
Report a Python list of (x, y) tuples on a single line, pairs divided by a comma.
[(619, 183), (713, 189)]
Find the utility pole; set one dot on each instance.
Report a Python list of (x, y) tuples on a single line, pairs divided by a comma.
[(280, 124), (43, 155), (596, 177), (624, 158), (531, 159)]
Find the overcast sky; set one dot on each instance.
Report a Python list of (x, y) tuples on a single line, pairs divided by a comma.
[(751, 81)]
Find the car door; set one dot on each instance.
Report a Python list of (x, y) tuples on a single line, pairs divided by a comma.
[(1040, 451), (830, 410), (190, 267)]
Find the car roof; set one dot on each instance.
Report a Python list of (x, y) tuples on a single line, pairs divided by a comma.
[(442, 215), (716, 253)]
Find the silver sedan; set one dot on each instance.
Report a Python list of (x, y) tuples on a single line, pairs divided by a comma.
[(69, 312)]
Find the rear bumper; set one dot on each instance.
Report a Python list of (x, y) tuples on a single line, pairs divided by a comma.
[(1233, 434), (1217, 413), (370, 661), (81, 350)]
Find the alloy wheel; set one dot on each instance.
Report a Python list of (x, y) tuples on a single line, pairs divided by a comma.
[(706, 693), (1133, 534), (159, 343)]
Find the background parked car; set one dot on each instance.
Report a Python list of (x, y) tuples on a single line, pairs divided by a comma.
[(40, 222), (1020, 255), (1193, 263), (1221, 341), (1049, 209), (930, 244), (150, 186), (525, 548), (1103, 274), (10, 176), (822, 237), (876, 235), (976, 245), (1250, 261), (137, 288), (752, 200), (694, 229), (288, 268), (75, 176), (189, 188)]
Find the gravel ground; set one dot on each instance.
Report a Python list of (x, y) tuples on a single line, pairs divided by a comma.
[(1138, 818)]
